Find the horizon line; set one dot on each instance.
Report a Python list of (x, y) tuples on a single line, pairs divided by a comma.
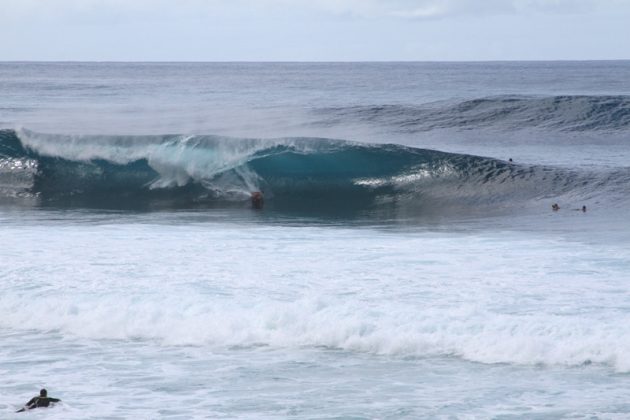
[(315, 61)]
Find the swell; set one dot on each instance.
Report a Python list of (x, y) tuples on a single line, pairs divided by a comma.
[(563, 113), (293, 174)]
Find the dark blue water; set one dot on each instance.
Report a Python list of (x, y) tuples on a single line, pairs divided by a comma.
[(402, 265), (125, 98)]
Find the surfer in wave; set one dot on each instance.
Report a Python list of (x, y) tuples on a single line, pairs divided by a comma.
[(257, 200)]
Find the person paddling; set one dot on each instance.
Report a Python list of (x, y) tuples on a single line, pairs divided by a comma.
[(43, 400)]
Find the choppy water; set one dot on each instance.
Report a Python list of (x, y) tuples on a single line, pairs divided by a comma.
[(401, 266)]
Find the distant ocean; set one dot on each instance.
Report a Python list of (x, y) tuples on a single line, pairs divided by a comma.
[(407, 262)]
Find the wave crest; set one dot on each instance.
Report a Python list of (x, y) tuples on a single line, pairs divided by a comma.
[(300, 173)]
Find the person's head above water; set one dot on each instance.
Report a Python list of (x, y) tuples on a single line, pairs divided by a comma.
[(43, 393), (257, 200)]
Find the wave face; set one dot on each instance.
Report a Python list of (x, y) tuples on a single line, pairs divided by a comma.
[(565, 113), (296, 173)]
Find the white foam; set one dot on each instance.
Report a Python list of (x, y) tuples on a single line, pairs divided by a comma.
[(468, 332), (537, 301), (177, 159)]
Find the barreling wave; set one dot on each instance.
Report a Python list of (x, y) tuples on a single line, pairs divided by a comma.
[(295, 173), (564, 113)]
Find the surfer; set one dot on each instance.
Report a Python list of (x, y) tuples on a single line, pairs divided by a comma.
[(555, 207), (257, 200), (43, 400)]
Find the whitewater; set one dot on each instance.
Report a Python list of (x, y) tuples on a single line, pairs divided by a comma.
[(407, 262)]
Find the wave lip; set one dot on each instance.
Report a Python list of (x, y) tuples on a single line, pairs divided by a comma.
[(305, 174)]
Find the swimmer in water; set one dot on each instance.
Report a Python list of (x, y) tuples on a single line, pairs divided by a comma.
[(257, 200), (555, 207), (36, 402)]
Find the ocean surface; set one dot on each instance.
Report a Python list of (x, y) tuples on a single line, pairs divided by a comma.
[(406, 263)]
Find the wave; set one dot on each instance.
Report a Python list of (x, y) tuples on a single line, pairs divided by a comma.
[(294, 173), (565, 113), (468, 332)]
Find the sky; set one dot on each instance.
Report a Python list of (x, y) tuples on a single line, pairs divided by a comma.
[(313, 30)]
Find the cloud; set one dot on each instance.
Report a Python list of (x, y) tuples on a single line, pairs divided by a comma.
[(420, 9), (313, 29), (25, 15), (412, 9)]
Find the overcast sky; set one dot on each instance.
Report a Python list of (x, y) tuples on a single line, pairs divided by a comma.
[(314, 30)]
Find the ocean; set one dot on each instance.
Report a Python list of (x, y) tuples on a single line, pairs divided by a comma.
[(406, 263)]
